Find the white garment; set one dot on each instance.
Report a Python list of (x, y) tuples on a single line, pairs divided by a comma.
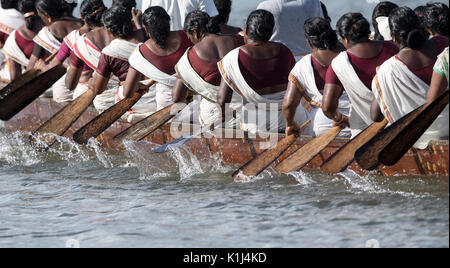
[(47, 40), (209, 109), (10, 20), (261, 113), (12, 50), (360, 96), (144, 107), (179, 9), (87, 52), (290, 17), (383, 28), (165, 81), (303, 73), (399, 91)]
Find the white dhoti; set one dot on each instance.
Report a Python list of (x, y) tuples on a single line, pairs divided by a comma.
[(399, 91), (360, 96), (303, 74), (210, 111), (260, 113)]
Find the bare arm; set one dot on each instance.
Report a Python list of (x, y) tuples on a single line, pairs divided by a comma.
[(375, 112), (179, 91), (291, 101), (330, 103), (15, 69), (438, 86), (224, 96), (98, 83), (73, 77), (131, 84), (38, 53)]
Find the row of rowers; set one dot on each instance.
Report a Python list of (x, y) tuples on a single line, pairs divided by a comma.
[(351, 83)]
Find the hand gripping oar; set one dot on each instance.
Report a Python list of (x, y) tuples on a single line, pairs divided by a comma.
[(62, 120), (23, 79), (411, 133), (305, 154), (149, 124), (367, 155), (21, 97), (258, 164), (99, 124), (345, 155)]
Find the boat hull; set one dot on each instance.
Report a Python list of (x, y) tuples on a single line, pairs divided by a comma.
[(431, 162)]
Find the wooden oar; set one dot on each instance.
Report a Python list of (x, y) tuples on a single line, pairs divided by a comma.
[(305, 154), (258, 164), (345, 155), (99, 124), (149, 124), (23, 79), (21, 97), (367, 155), (411, 133), (62, 120)]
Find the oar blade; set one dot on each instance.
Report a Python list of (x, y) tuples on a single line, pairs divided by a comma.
[(62, 120), (21, 97), (409, 136), (340, 160), (99, 124), (146, 126), (305, 154)]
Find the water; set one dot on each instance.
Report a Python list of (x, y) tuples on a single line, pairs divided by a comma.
[(137, 199)]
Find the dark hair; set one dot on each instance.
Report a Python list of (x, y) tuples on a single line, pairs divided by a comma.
[(69, 7), (157, 22), (26, 6), (128, 4), (8, 4), (405, 27), (420, 12), (92, 11), (117, 20), (224, 8), (54, 8), (260, 25), (201, 22), (325, 12), (436, 18), (319, 32), (383, 9), (354, 27)]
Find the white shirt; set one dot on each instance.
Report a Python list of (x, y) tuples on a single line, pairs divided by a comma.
[(179, 9), (290, 17)]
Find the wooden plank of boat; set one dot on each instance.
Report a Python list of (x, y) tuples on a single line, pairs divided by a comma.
[(431, 162)]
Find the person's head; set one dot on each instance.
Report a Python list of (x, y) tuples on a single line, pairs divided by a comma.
[(8, 4), (70, 6), (353, 28), (51, 10), (30, 14), (420, 12), (128, 4), (383, 9), (406, 29), (260, 25), (320, 35), (157, 25), (224, 8), (325, 12), (91, 12), (117, 21), (198, 24), (436, 19)]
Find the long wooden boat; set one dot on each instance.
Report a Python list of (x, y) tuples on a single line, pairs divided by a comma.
[(431, 162)]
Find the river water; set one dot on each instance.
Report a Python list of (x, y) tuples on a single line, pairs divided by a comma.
[(89, 197)]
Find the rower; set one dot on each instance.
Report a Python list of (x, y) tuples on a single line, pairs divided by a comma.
[(290, 16), (353, 70), (156, 59), (402, 82), (114, 57), (259, 71), (10, 20), (49, 39), (197, 69), (224, 8), (19, 45), (307, 79), (179, 9), (78, 74), (439, 81), (436, 19)]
